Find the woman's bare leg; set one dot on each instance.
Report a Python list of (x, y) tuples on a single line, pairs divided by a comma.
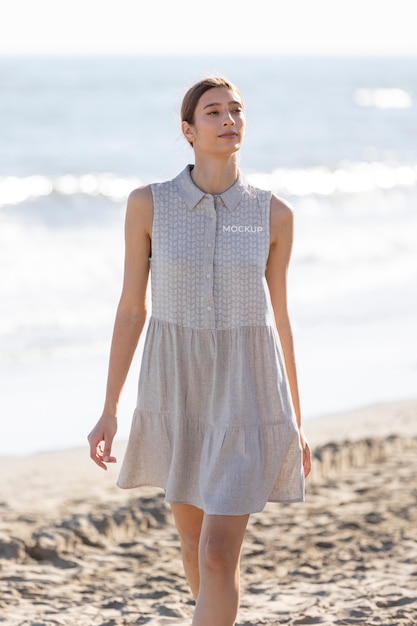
[(219, 560), (188, 520)]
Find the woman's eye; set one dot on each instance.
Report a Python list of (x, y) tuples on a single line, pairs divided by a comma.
[(236, 111)]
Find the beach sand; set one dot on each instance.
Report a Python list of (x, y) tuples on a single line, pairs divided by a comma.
[(75, 550)]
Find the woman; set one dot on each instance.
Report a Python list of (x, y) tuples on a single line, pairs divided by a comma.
[(218, 422)]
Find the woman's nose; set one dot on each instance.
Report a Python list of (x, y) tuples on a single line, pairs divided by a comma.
[(228, 119)]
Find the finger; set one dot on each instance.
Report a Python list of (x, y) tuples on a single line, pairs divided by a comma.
[(96, 453), (307, 461), (97, 460), (107, 457), (110, 459)]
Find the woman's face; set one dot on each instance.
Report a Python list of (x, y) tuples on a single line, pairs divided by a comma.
[(219, 122)]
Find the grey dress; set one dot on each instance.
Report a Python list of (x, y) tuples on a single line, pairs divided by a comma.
[(214, 424)]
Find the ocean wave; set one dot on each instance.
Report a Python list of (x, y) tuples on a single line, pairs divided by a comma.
[(383, 98), (345, 178), (16, 190)]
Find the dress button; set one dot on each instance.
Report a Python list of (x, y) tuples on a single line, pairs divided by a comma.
[(208, 275), (209, 308)]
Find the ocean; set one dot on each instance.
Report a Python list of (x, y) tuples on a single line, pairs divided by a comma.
[(335, 137)]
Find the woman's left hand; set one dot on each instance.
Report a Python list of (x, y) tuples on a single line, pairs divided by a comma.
[(306, 453)]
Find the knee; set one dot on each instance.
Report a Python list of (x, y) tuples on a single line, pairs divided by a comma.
[(190, 545), (217, 555)]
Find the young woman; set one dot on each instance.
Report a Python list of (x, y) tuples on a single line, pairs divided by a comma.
[(218, 423)]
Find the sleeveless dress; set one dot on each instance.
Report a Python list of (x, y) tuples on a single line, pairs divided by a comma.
[(214, 424)]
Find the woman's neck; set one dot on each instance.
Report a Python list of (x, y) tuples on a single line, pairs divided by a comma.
[(214, 177)]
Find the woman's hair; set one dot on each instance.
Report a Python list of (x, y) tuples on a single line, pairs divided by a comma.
[(195, 92)]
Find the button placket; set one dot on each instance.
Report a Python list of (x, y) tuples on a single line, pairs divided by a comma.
[(208, 287)]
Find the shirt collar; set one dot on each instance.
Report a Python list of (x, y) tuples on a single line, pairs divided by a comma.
[(193, 194)]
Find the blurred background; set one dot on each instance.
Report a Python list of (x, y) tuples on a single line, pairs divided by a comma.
[(90, 94)]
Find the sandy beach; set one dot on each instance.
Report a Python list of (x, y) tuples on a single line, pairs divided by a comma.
[(76, 551)]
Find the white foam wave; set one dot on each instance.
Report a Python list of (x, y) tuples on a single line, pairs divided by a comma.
[(346, 178), (16, 190), (383, 98)]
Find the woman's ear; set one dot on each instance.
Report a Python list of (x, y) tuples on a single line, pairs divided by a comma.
[(188, 132)]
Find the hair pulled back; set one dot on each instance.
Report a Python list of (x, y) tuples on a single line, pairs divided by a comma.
[(193, 95)]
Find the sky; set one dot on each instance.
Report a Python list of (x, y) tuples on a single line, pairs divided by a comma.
[(208, 27)]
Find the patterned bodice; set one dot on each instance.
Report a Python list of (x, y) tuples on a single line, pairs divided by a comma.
[(209, 255)]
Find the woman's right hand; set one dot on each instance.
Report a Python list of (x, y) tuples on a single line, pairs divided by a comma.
[(101, 439)]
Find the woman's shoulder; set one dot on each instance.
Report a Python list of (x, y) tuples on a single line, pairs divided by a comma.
[(282, 218), (140, 206), (281, 208), (140, 196)]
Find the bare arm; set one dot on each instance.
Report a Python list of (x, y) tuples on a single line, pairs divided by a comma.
[(281, 240), (129, 322)]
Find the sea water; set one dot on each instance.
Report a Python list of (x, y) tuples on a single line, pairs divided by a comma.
[(335, 137)]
